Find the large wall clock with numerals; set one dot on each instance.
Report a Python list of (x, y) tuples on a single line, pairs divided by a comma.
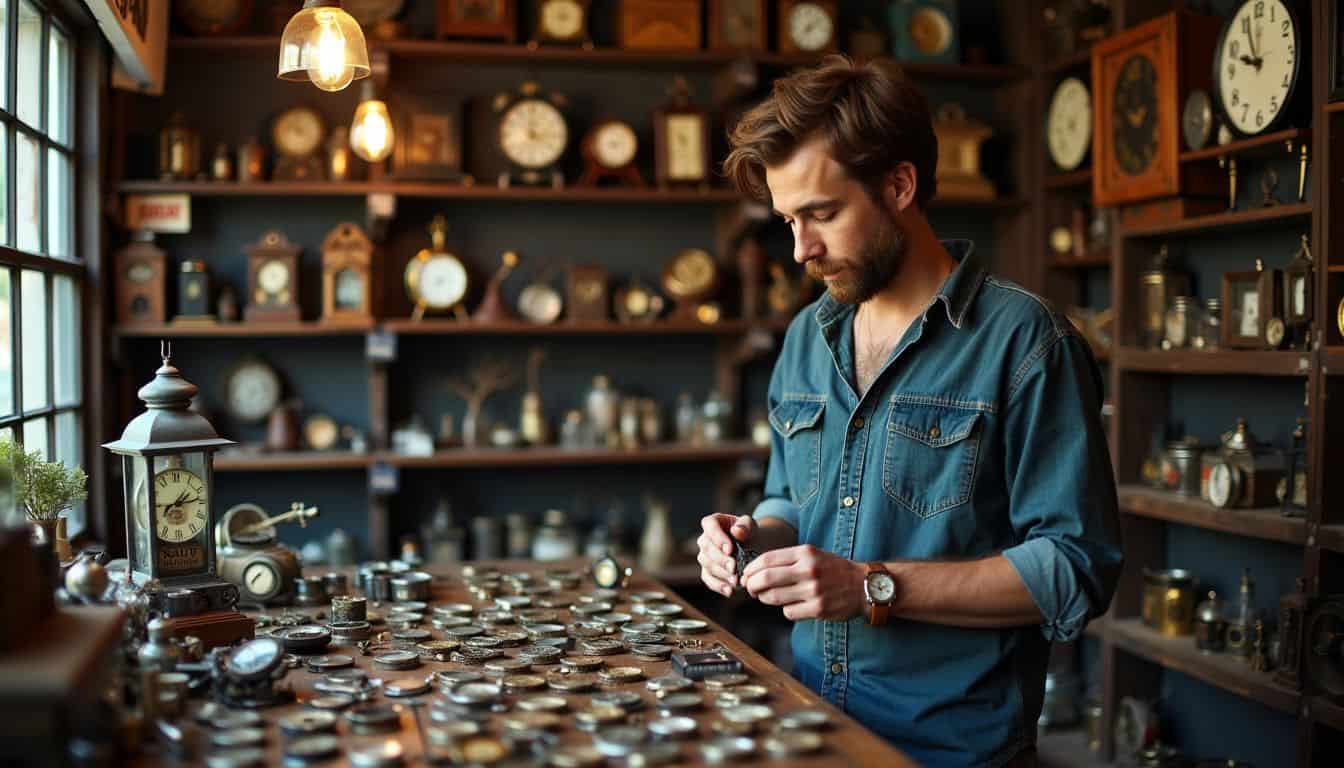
[(1258, 65)]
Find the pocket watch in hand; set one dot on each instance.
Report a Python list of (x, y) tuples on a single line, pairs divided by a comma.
[(298, 134), (436, 279)]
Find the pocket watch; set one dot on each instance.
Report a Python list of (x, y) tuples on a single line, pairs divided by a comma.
[(1068, 124), (608, 573), (436, 280), (253, 390), (298, 134), (255, 660)]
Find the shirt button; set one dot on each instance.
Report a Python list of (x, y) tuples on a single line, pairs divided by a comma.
[(858, 422), (848, 501), (788, 424), (934, 433), (837, 668)]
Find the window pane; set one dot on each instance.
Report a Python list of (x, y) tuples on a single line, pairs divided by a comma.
[(60, 222), (35, 435), (4, 54), (33, 326), (6, 348), (65, 338), (68, 452), (4, 170), (29, 189), (29, 68), (59, 80)]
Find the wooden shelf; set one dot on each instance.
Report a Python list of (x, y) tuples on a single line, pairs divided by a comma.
[(1081, 179), (1331, 537), (290, 461), (1265, 523), (1228, 221), (552, 456), (615, 58), (432, 189), (448, 327), (1268, 144), (1327, 712), (1218, 362), (240, 330), (1077, 60), (1219, 670), (1334, 106), (1334, 360)]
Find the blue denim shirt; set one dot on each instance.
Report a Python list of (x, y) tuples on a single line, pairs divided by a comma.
[(982, 435)]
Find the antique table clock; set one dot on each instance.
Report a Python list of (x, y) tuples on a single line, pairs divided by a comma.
[(1258, 66), (562, 21), (609, 151), (141, 270), (1298, 277), (1246, 475), (588, 293), (681, 139), (347, 278), (273, 279), (690, 277), (1253, 305), (298, 134), (436, 280), (959, 140), (532, 135), (167, 485)]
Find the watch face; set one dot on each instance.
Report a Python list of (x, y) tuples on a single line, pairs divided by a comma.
[(1197, 119), (349, 289), (253, 392), (442, 282), (1220, 484), (540, 303), (810, 27), (930, 31), (1257, 64), (1274, 331), (1134, 115), (273, 277), (685, 147), (606, 573), (260, 580), (615, 145), (320, 432), (180, 505), (1069, 124), (881, 587), (299, 131), (255, 658), (562, 19), (533, 133)]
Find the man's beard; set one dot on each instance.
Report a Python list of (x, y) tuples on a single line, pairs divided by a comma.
[(879, 262)]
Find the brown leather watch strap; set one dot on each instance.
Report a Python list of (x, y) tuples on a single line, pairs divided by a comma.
[(877, 612)]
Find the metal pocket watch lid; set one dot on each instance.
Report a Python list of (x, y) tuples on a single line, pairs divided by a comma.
[(230, 720), (804, 719), (255, 659), (383, 753), (312, 748), (406, 686), (619, 740), (573, 683), (669, 683), (250, 757), (328, 662), (308, 722), (601, 647), (785, 744), (687, 626), (583, 663), (672, 727), (303, 639), (620, 675), (543, 703), (476, 694), (680, 701), (333, 702), (727, 748), (747, 713), (626, 700), (399, 659), (577, 756), (655, 651), (663, 609), (238, 737), (724, 680)]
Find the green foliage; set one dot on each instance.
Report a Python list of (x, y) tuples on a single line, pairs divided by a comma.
[(42, 489)]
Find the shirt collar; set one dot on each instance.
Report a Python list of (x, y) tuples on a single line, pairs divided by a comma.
[(957, 291)]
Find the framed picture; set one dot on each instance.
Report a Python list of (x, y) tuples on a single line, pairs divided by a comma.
[(1249, 301), (429, 144)]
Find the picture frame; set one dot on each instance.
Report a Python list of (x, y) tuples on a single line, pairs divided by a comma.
[(1249, 301), (429, 144)]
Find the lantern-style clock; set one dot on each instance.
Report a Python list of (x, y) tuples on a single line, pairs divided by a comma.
[(273, 279), (347, 284), (1298, 275), (167, 479)]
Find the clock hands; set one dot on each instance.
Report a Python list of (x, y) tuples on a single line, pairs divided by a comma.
[(1137, 115)]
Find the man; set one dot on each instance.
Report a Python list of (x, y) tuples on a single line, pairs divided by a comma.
[(940, 504)]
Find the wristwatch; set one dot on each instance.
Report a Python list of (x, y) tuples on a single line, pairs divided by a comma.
[(879, 588)]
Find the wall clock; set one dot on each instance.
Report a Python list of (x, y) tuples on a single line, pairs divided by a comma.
[(1258, 66), (807, 26), (1068, 124)]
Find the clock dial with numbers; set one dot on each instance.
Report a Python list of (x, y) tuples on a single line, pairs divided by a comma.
[(298, 131), (253, 391), (562, 19), (810, 26), (615, 144), (533, 133), (1134, 120), (1258, 64), (273, 277), (1069, 124), (442, 282), (180, 510)]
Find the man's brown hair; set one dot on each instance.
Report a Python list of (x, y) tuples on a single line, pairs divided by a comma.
[(871, 116)]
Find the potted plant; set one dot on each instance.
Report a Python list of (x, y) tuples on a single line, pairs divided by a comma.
[(42, 489)]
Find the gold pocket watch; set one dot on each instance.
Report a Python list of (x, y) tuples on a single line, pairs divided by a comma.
[(436, 280)]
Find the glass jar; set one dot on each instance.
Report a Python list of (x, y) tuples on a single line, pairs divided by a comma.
[(1209, 624), (556, 539), (1180, 323), (1210, 334)]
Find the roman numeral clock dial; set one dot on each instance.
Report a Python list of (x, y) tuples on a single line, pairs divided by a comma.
[(1258, 65)]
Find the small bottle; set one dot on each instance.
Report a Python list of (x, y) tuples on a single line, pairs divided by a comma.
[(1209, 625), (686, 417), (1210, 335), (221, 167), (1241, 620)]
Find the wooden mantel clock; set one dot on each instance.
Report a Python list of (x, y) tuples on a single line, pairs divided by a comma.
[(167, 456), (273, 279), (1139, 80), (347, 276)]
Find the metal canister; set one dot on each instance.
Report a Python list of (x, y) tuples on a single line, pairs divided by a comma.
[(1181, 466), (1169, 601), (1209, 625), (412, 585), (349, 608)]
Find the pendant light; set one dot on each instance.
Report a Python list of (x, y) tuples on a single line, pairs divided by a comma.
[(324, 44), (371, 134)]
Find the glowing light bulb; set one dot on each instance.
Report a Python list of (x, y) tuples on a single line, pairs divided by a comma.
[(330, 71), (371, 134)]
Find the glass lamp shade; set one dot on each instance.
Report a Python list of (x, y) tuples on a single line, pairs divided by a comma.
[(324, 44), (371, 133)]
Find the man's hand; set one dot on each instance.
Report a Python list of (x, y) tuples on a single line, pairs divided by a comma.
[(717, 564), (810, 583)]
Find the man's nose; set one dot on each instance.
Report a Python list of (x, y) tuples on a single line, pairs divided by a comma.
[(805, 246)]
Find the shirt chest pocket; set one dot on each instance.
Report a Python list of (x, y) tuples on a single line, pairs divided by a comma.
[(932, 446), (797, 419)]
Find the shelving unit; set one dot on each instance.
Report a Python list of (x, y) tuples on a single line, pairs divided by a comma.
[(1221, 362), (1225, 223), (1268, 523)]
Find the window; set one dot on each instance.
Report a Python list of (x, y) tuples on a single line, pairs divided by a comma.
[(41, 275)]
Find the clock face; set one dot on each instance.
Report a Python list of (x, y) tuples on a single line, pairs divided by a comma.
[(692, 272), (349, 289), (442, 282), (320, 432), (299, 131), (180, 510), (881, 587), (260, 580), (139, 272), (533, 133), (1134, 115), (810, 26), (273, 277), (255, 658), (685, 147), (930, 31), (615, 145), (562, 19), (1257, 64), (253, 391), (606, 573), (1220, 484), (1069, 124), (1197, 119), (1298, 299)]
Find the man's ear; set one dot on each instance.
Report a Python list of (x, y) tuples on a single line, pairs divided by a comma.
[(899, 188)]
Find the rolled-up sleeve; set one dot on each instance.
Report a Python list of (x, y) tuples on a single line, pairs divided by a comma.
[(1063, 503), (778, 501)]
